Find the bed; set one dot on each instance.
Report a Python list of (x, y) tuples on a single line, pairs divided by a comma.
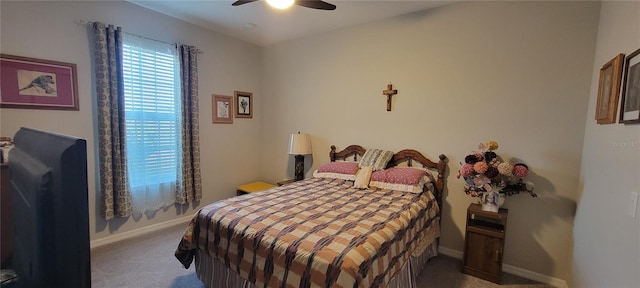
[(321, 231)]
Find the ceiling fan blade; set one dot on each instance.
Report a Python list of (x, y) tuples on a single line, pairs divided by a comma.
[(240, 2), (316, 5)]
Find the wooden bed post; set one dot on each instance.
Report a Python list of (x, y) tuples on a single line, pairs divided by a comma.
[(442, 167), (332, 154)]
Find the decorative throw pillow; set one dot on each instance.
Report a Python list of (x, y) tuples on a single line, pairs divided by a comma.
[(401, 178), (362, 178), (340, 167), (337, 170), (375, 158)]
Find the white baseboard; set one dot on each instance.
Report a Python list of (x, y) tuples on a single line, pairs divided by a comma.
[(450, 252), (138, 232), (555, 282)]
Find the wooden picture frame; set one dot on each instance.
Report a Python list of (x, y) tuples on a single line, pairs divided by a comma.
[(30, 83), (222, 109), (244, 104), (630, 104), (608, 90)]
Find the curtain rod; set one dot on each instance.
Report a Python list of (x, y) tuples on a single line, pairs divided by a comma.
[(83, 22)]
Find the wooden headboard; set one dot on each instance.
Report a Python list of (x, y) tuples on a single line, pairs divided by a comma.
[(352, 150), (410, 155), (407, 155)]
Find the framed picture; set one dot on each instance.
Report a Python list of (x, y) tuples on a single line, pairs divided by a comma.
[(608, 89), (630, 110), (490, 201), (37, 84), (244, 104), (222, 109)]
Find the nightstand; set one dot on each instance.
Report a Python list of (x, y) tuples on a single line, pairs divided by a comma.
[(284, 182), (484, 243), (253, 187)]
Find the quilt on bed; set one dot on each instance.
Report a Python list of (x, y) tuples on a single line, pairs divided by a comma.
[(314, 233)]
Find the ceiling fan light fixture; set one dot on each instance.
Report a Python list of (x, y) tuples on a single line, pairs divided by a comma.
[(280, 4)]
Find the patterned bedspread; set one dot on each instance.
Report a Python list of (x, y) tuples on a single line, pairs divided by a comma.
[(314, 233)]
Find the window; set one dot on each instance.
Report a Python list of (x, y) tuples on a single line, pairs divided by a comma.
[(152, 112)]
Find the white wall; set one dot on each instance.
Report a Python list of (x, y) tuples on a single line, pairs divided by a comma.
[(606, 250), (46, 30), (515, 72)]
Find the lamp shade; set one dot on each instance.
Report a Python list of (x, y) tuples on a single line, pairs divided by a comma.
[(299, 144)]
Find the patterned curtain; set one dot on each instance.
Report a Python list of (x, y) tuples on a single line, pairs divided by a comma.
[(190, 189), (114, 182)]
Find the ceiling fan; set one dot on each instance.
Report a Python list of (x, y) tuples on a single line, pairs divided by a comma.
[(309, 4)]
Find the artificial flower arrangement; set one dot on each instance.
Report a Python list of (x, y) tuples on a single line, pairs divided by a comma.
[(484, 171)]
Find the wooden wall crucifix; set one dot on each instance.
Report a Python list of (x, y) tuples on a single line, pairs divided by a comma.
[(389, 92)]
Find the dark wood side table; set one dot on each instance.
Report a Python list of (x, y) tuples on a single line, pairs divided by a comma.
[(7, 218), (484, 243)]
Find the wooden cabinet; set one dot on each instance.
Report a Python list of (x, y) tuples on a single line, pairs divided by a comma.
[(484, 243)]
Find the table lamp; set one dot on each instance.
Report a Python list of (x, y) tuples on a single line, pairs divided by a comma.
[(299, 145)]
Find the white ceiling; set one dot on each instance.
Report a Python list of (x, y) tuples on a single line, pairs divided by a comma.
[(273, 26)]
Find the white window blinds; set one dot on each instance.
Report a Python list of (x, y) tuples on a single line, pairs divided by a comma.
[(152, 111)]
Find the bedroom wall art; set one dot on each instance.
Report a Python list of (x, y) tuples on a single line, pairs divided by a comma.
[(222, 109), (30, 83), (608, 89), (389, 92), (630, 109), (244, 104)]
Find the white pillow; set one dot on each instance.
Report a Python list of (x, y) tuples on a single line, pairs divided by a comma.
[(362, 178)]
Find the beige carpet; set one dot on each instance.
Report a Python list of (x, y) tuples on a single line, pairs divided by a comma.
[(148, 261)]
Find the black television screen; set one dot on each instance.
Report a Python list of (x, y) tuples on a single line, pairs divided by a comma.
[(50, 209)]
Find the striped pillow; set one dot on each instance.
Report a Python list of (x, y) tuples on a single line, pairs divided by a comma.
[(375, 158)]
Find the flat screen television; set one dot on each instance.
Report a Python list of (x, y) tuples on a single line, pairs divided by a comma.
[(50, 209)]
